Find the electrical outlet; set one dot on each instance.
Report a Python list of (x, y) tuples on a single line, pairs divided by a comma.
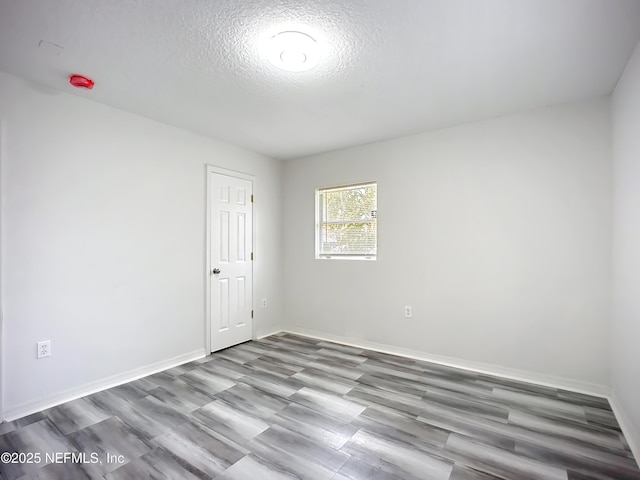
[(408, 313), (44, 349), (264, 303)]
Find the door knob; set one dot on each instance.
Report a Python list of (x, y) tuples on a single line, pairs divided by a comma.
[(215, 271)]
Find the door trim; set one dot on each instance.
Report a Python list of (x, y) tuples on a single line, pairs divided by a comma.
[(3, 154), (207, 277)]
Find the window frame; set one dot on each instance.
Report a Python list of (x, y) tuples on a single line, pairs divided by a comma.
[(318, 225)]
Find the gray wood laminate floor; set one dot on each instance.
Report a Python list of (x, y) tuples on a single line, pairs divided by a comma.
[(291, 407)]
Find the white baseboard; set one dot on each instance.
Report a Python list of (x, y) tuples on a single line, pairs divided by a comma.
[(630, 433), (487, 369), (261, 335), (20, 411)]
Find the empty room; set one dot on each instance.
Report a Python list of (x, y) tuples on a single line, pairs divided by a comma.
[(320, 239)]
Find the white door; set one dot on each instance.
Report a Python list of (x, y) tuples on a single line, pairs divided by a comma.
[(231, 234)]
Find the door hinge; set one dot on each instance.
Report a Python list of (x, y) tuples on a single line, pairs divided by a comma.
[(251, 313), (252, 256), (251, 198)]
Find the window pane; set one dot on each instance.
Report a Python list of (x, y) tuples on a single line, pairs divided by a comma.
[(349, 239), (351, 203), (347, 223)]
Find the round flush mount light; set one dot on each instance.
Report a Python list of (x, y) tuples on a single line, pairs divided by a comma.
[(293, 51)]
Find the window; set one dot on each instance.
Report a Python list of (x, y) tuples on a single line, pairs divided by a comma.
[(347, 221)]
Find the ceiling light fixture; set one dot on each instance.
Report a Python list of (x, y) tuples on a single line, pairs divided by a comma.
[(293, 51)]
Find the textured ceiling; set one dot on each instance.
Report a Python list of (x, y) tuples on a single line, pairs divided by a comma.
[(390, 67)]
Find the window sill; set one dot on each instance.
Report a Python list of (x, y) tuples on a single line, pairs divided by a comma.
[(368, 258)]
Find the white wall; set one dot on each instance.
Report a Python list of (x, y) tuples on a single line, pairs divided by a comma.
[(625, 346), (103, 241), (496, 233)]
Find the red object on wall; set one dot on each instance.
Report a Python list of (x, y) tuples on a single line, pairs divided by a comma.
[(79, 81)]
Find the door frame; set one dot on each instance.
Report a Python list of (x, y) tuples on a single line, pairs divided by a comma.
[(207, 272), (3, 154)]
